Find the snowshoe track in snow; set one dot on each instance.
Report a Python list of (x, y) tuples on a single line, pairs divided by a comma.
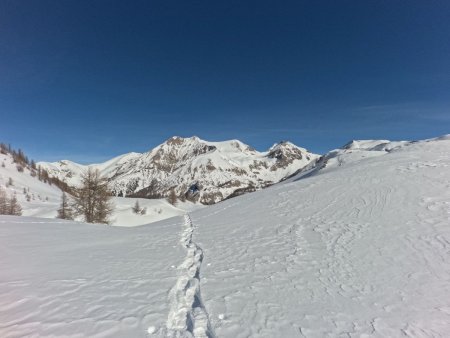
[(188, 316)]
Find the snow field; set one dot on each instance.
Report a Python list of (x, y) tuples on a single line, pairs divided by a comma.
[(360, 248), (75, 280)]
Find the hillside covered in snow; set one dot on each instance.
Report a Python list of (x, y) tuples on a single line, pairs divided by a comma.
[(217, 170), (358, 246), (39, 198)]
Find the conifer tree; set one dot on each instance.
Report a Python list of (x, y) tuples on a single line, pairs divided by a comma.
[(137, 208)]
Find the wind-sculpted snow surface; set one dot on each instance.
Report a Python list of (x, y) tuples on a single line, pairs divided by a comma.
[(188, 316), (67, 279), (361, 249)]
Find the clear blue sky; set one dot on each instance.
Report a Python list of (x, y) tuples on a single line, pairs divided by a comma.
[(88, 80)]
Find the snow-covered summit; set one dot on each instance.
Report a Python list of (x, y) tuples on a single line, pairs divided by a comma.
[(286, 153), (220, 169)]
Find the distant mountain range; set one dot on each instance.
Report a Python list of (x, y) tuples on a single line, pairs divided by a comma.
[(202, 171)]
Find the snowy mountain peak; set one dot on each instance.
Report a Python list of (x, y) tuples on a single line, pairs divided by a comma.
[(286, 153), (278, 144), (178, 140), (220, 169)]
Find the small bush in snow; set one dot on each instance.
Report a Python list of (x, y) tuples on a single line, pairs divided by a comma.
[(137, 208)]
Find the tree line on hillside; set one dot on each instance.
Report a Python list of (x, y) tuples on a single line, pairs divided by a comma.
[(22, 161), (92, 200)]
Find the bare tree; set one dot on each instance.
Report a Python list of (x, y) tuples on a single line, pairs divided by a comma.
[(172, 198), (9, 206), (93, 199), (3, 202), (65, 211), (14, 207)]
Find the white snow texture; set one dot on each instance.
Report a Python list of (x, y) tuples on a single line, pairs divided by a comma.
[(356, 246)]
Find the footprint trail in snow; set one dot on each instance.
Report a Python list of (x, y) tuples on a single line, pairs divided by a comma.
[(187, 315)]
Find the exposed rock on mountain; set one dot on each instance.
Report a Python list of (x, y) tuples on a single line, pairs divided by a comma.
[(218, 169)]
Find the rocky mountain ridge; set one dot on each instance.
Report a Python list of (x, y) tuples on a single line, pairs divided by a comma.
[(202, 171)]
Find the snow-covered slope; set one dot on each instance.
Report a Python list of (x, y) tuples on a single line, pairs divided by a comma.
[(39, 199), (155, 210), (218, 169), (353, 152), (67, 279), (36, 198), (359, 250)]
